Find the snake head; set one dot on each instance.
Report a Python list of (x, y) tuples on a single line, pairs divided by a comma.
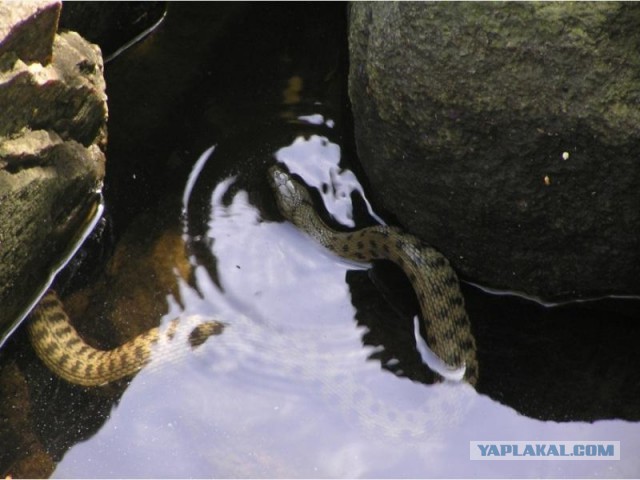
[(290, 194)]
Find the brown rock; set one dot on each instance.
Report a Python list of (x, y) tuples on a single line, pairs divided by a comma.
[(52, 141), (28, 29)]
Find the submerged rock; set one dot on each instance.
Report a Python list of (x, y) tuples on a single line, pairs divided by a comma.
[(52, 142), (506, 135)]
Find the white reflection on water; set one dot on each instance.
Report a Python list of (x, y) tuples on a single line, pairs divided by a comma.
[(287, 390), (317, 160)]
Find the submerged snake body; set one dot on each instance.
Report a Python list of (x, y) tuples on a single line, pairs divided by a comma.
[(437, 287), (66, 354), (447, 326)]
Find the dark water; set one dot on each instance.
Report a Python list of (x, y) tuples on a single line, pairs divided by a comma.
[(317, 373)]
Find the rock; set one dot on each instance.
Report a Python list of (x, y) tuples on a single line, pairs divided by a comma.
[(507, 135), (73, 83), (27, 29), (52, 142)]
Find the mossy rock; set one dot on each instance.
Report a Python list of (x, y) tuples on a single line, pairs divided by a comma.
[(507, 135)]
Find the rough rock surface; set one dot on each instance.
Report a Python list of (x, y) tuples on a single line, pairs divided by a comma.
[(52, 141), (507, 135), (27, 29)]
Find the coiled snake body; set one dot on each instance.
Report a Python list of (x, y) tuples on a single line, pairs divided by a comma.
[(448, 330)]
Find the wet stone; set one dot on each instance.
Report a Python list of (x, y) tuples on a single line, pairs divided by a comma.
[(474, 115), (48, 174)]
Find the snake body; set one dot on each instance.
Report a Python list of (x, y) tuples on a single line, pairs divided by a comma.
[(64, 352), (447, 325)]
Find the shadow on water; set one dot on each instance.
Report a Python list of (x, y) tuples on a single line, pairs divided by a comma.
[(318, 372), (563, 363)]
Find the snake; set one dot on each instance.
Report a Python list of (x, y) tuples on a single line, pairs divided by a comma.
[(447, 325), (448, 331), (61, 348)]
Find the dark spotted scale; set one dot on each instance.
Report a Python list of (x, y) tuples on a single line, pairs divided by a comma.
[(437, 287), (64, 352)]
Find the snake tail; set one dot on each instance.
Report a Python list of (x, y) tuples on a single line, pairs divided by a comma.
[(65, 353)]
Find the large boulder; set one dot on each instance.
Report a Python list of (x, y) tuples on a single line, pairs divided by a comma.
[(52, 142), (507, 135)]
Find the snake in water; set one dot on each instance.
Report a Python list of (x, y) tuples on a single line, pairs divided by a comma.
[(66, 354), (436, 284), (447, 325)]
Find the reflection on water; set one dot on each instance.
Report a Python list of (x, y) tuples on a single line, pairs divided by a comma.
[(317, 160), (289, 389), (317, 372)]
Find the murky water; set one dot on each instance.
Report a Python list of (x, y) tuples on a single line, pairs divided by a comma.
[(317, 373)]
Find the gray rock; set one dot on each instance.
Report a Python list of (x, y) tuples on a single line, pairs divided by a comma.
[(52, 141), (507, 135)]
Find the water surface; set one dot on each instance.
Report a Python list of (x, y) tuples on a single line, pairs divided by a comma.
[(317, 373)]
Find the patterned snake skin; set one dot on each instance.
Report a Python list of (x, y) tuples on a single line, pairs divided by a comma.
[(448, 329), (436, 284), (61, 349)]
